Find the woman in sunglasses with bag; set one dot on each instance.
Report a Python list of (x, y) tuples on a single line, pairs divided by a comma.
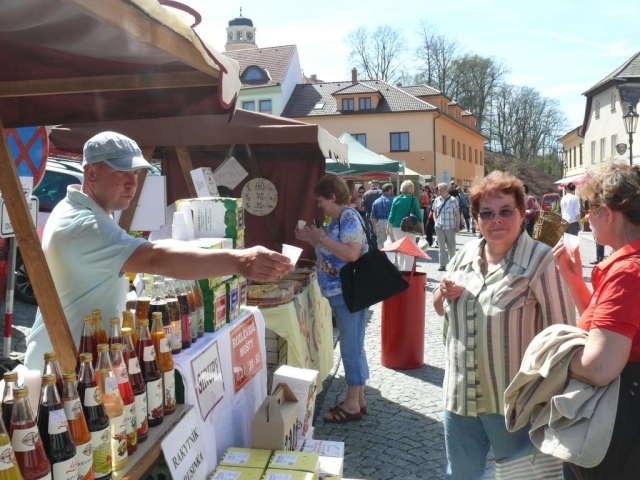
[(343, 241), (498, 293)]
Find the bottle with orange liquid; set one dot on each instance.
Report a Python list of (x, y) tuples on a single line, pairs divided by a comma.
[(52, 366), (87, 341), (54, 430), (108, 385), (9, 469), (120, 369), (137, 384), (165, 362), (174, 312), (10, 382), (151, 374), (77, 426), (200, 306), (98, 328), (25, 439), (142, 304), (127, 322)]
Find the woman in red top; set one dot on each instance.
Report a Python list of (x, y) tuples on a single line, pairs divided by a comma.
[(611, 313)]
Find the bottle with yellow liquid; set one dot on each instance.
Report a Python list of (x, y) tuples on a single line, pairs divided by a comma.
[(108, 385), (8, 464)]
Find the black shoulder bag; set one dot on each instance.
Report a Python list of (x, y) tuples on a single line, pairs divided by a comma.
[(370, 279)]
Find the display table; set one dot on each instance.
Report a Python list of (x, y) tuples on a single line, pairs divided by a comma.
[(207, 372), (305, 323)]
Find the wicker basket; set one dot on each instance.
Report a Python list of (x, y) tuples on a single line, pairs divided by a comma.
[(549, 227)]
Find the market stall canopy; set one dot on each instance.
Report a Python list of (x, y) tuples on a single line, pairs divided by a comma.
[(577, 180), (362, 161), (81, 60)]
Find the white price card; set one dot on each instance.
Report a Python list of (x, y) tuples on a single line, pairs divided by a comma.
[(183, 449)]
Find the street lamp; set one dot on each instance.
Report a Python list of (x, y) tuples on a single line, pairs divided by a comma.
[(630, 124)]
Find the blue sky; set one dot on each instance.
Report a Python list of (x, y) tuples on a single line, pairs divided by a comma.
[(560, 48)]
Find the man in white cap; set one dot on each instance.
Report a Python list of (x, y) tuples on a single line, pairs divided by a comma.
[(88, 253)]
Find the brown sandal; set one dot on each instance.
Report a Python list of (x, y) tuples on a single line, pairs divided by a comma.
[(333, 408), (339, 415)]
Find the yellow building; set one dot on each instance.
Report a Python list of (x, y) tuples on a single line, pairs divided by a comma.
[(417, 124)]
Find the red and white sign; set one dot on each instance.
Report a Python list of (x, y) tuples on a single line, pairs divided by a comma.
[(245, 346), (207, 373), (29, 147)]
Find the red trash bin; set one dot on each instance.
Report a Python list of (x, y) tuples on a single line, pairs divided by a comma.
[(403, 315)]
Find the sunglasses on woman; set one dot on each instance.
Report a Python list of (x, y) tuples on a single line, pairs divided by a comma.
[(490, 215)]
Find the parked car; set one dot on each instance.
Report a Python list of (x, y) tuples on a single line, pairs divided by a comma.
[(58, 176), (549, 200)]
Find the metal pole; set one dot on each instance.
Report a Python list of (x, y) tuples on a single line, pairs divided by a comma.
[(630, 148), (8, 315)]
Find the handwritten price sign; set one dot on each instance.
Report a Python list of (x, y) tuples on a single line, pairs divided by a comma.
[(245, 346), (259, 197)]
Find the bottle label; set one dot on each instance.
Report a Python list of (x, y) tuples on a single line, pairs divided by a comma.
[(72, 408), (84, 455), (149, 354), (100, 441), (57, 422), (169, 389), (168, 334), (134, 366), (111, 385), (200, 320), (176, 328), (132, 424), (141, 411), (154, 399), (121, 373), (7, 457), (25, 440), (92, 397), (164, 345), (65, 470), (118, 427)]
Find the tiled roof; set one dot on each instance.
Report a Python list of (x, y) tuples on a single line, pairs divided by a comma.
[(421, 90), (305, 97), (629, 69), (275, 60), (355, 88)]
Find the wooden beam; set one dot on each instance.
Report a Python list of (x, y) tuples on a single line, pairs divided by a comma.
[(270, 217), (33, 256), (185, 164), (106, 83), (126, 218), (137, 24)]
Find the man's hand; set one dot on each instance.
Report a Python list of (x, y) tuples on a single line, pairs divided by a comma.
[(259, 263)]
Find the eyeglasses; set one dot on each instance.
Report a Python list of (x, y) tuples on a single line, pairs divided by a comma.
[(490, 215)]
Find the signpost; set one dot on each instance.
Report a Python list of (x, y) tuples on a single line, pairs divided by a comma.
[(29, 147)]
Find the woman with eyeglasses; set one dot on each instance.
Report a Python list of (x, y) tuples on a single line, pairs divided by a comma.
[(611, 313), (498, 293)]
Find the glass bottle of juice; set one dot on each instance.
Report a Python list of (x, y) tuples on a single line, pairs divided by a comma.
[(127, 322), (10, 382), (98, 328), (108, 385), (176, 319), (120, 369), (199, 305), (9, 469), (54, 430), (142, 303), (151, 375), (159, 304), (25, 439), (165, 362), (193, 309), (52, 366), (87, 341), (185, 312), (114, 331), (137, 384), (77, 426), (97, 418)]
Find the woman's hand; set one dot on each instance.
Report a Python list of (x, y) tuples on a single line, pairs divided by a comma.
[(316, 233), (449, 289), (570, 266), (303, 234)]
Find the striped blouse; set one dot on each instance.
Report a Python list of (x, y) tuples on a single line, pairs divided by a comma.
[(488, 328)]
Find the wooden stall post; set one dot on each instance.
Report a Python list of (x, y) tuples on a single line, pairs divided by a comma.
[(33, 256), (185, 163), (126, 218)]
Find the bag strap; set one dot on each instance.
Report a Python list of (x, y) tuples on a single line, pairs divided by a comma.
[(361, 223), (442, 206)]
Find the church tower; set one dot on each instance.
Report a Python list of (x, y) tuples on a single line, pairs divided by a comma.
[(241, 34)]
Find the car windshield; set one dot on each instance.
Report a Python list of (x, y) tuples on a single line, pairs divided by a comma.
[(53, 188)]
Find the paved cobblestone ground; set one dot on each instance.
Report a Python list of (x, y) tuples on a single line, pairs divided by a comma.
[(402, 435)]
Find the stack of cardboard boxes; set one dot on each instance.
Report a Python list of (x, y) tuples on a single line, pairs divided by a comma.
[(276, 354)]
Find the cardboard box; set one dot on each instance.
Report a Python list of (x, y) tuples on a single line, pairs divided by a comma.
[(274, 425), (246, 457), (243, 290), (238, 242), (331, 467), (204, 182), (220, 307), (304, 385), (151, 208), (236, 473), (324, 448), (298, 461), (232, 289), (217, 217), (276, 474), (277, 357)]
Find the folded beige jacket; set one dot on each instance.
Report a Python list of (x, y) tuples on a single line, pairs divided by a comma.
[(571, 420)]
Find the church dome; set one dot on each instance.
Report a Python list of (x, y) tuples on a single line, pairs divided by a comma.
[(240, 21)]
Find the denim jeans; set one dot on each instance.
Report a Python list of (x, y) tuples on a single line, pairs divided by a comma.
[(351, 327), (468, 439)]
